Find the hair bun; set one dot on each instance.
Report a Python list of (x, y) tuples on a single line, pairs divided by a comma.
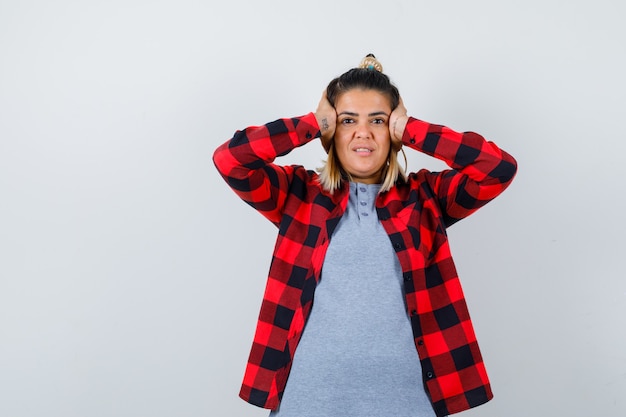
[(370, 62)]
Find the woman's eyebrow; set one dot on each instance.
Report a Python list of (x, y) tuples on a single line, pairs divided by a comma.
[(376, 113)]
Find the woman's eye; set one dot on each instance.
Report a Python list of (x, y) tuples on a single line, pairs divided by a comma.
[(378, 121), (347, 121)]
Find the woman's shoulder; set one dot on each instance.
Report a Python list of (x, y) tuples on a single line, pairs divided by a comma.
[(418, 178)]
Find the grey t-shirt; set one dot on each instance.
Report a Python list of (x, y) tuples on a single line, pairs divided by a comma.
[(357, 356)]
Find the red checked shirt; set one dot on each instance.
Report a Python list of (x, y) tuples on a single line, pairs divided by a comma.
[(415, 215)]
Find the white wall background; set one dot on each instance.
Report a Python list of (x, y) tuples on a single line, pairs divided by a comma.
[(131, 276)]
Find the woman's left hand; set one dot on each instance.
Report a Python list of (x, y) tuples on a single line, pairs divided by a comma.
[(397, 124)]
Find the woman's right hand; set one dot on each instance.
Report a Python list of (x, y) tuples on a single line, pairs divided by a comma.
[(326, 116)]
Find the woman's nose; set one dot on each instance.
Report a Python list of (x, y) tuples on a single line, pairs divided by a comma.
[(363, 130)]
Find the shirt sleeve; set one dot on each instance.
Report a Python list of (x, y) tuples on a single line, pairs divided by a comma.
[(246, 161), (479, 172)]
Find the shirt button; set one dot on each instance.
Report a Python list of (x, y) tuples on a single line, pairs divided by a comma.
[(364, 214), (420, 342), (363, 189), (397, 246), (414, 312), (429, 375), (363, 203), (412, 140), (407, 277)]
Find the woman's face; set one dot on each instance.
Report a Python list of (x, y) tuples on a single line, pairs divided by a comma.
[(362, 138)]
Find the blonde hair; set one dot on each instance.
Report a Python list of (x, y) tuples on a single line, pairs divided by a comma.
[(367, 76), (331, 173)]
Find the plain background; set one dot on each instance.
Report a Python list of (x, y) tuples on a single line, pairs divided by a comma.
[(131, 276)]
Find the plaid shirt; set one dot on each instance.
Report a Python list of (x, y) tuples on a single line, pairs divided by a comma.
[(415, 215)]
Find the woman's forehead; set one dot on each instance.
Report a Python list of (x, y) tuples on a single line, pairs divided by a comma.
[(364, 100)]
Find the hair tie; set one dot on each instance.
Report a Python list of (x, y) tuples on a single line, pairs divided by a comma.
[(370, 62)]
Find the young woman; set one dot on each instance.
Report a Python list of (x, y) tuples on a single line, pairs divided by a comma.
[(389, 333)]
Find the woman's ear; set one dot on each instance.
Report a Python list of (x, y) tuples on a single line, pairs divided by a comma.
[(328, 143), (396, 145)]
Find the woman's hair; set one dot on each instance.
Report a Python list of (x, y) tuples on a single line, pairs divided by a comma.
[(368, 76)]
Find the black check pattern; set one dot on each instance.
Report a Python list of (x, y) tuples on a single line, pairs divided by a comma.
[(415, 215)]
